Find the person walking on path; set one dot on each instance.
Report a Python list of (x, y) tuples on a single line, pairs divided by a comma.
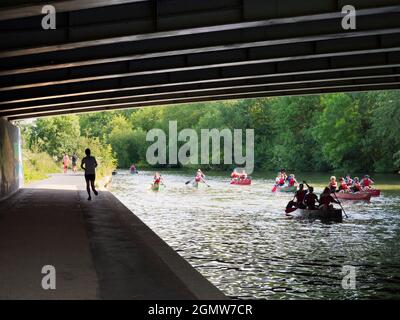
[(89, 165), (66, 162), (74, 159)]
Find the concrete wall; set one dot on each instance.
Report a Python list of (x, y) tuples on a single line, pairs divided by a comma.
[(11, 177)]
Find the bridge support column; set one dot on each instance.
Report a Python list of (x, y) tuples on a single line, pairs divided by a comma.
[(11, 173)]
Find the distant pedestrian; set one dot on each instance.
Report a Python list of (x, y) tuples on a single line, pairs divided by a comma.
[(89, 164), (74, 159), (65, 162)]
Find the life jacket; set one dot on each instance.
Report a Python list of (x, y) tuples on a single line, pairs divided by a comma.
[(281, 181), (157, 181), (300, 195), (234, 175), (197, 178), (366, 182), (357, 186), (291, 182), (344, 186), (333, 186)]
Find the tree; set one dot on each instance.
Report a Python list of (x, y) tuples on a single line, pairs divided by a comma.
[(339, 131), (293, 144), (56, 135), (384, 134)]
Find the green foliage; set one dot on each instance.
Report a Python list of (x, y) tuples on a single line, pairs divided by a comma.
[(47, 139), (339, 132), (348, 132), (37, 166), (293, 120), (128, 143), (103, 153), (384, 134), (55, 135)]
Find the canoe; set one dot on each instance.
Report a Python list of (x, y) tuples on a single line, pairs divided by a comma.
[(324, 215), (241, 182), (156, 187), (199, 185), (358, 196), (374, 192), (287, 189)]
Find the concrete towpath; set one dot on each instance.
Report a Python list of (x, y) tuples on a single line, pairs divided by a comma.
[(100, 249)]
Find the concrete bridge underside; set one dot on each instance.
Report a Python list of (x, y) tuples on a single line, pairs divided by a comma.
[(116, 54)]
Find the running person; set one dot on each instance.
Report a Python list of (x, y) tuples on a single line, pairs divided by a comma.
[(89, 164)]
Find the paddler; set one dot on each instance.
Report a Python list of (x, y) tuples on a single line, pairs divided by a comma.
[(200, 176), (311, 199), (356, 187), (326, 199), (133, 169), (292, 180), (299, 196), (243, 175), (349, 180), (280, 179), (332, 184), (235, 175), (157, 179), (284, 175), (343, 187), (367, 182)]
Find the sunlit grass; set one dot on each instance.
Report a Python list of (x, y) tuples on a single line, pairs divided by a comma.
[(37, 166)]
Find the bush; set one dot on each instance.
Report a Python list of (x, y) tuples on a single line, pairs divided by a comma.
[(37, 166)]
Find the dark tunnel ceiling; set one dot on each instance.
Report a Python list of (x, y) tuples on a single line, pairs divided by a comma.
[(130, 53)]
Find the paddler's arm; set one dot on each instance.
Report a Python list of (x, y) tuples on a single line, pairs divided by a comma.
[(305, 182)]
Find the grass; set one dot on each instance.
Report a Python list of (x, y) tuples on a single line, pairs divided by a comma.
[(37, 166)]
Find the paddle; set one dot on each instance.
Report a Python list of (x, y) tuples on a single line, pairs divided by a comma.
[(187, 182), (204, 181), (340, 204)]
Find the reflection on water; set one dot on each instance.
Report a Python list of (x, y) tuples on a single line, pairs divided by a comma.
[(239, 238)]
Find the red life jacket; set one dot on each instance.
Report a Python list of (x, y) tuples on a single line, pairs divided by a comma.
[(197, 178), (333, 185), (300, 195), (366, 182), (291, 182)]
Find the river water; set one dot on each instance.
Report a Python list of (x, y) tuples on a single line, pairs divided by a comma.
[(239, 238)]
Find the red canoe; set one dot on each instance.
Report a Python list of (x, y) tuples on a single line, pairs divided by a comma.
[(360, 196), (374, 192), (242, 182)]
